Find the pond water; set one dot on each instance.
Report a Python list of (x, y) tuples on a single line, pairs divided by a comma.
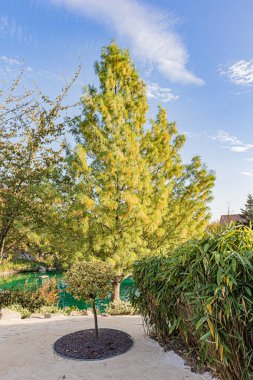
[(32, 281)]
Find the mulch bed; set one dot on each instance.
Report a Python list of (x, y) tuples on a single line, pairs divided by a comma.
[(81, 345)]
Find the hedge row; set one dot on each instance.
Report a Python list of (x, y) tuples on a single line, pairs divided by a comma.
[(203, 291)]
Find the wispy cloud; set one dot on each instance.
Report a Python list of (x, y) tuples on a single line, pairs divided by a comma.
[(240, 72), (232, 142), (149, 32), (10, 61), (224, 136), (9, 27), (154, 91), (11, 68), (249, 159), (248, 174), (238, 93), (192, 135)]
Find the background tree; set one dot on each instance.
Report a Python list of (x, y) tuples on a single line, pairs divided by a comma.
[(247, 212), (59, 241), (136, 195), (90, 281), (30, 128)]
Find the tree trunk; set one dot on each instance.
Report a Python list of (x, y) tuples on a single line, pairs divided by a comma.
[(2, 250), (95, 319), (116, 288)]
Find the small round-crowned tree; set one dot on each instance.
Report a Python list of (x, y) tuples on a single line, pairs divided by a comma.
[(89, 281)]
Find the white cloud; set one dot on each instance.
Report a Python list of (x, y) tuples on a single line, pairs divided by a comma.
[(224, 136), (232, 142), (249, 159), (241, 149), (10, 61), (240, 73), (248, 174), (154, 91), (149, 32), (228, 141)]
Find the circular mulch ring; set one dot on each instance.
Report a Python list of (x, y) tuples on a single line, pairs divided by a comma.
[(81, 345)]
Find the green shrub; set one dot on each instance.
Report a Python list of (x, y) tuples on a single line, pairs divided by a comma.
[(25, 313), (52, 309), (66, 310), (46, 295), (119, 307), (203, 291), (27, 299)]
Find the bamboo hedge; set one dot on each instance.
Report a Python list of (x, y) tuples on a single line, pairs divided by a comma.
[(203, 291)]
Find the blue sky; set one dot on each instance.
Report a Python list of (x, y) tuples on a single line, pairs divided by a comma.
[(196, 57)]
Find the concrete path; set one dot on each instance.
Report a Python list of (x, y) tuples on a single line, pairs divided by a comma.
[(26, 353)]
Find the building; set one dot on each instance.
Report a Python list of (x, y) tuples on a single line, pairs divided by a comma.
[(235, 218)]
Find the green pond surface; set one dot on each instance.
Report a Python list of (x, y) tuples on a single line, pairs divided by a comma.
[(34, 280)]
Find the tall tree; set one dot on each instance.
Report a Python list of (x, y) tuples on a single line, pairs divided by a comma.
[(247, 212), (136, 195), (178, 194), (30, 127)]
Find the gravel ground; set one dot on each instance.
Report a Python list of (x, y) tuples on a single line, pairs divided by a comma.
[(26, 353)]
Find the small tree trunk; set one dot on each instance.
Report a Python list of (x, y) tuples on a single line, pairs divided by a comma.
[(116, 288), (2, 250), (95, 319)]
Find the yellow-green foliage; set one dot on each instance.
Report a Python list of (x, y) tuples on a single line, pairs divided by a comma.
[(134, 194), (203, 290), (10, 265), (25, 313), (119, 307)]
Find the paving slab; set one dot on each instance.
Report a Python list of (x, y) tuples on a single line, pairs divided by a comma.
[(26, 353)]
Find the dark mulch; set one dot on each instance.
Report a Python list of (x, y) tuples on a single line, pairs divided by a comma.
[(82, 345)]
